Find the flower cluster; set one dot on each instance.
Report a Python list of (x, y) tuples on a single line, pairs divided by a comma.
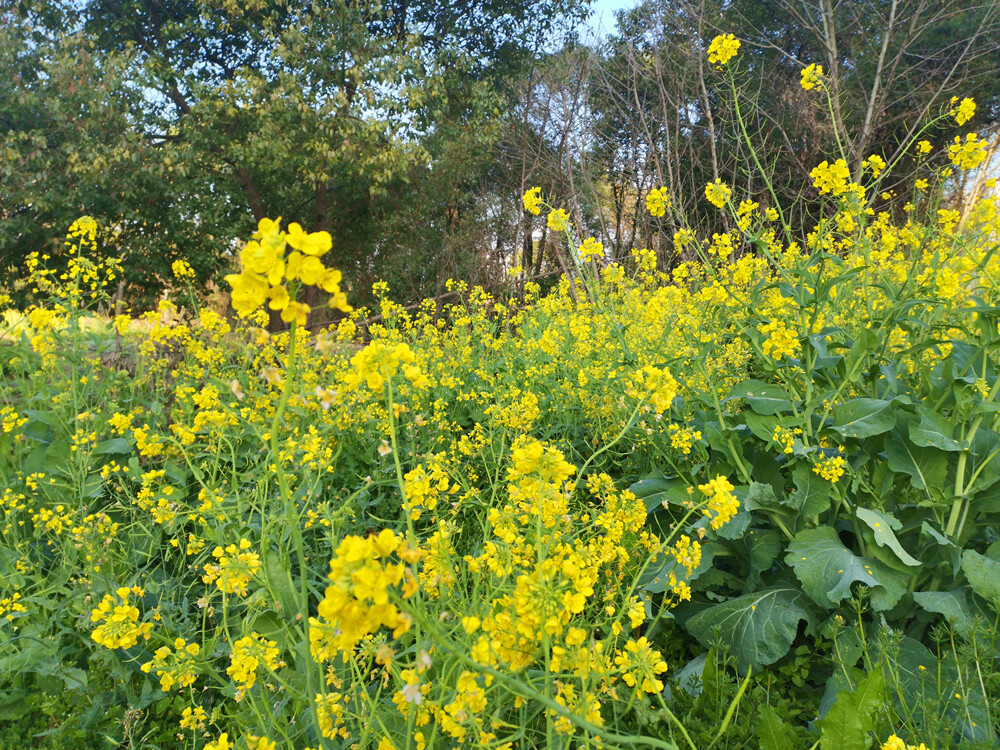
[(781, 341), (233, 569), (831, 178), (718, 193), (722, 49), (657, 202), (268, 275), (558, 220), (654, 384), (965, 110), (812, 76), (356, 604), (722, 504), (591, 248), (896, 743), (831, 468), (533, 200), (175, 667), (119, 620), (967, 155), (250, 654), (379, 362)]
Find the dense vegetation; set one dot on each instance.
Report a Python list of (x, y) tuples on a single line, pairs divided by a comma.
[(748, 498)]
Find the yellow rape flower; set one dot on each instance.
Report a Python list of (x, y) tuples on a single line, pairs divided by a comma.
[(657, 202), (233, 569), (591, 248), (119, 621), (314, 243), (965, 111), (558, 220), (717, 193), (722, 504), (641, 666), (812, 76), (722, 49), (533, 200), (831, 178), (875, 163), (968, 155)]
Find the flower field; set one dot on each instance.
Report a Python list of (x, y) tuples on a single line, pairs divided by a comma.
[(753, 501)]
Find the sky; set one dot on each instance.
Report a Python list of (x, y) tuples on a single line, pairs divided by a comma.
[(602, 12)]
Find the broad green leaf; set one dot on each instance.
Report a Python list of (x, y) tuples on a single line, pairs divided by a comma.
[(657, 491), (119, 446), (761, 496), (772, 732), (761, 425), (934, 431), (827, 569), (762, 547), (761, 397), (926, 467), (847, 724), (863, 417), (883, 525), (953, 605), (983, 574), (758, 627), (984, 460), (812, 492), (866, 342)]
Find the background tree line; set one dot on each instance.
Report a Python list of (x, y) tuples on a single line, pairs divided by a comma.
[(410, 128)]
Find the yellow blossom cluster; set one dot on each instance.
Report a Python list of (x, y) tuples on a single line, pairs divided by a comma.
[(268, 275), (657, 202), (721, 504), (250, 655), (812, 76), (968, 154), (118, 619), (723, 49), (233, 569), (718, 193), (356, 603), (175, 667), (896, 743), (964, 111)]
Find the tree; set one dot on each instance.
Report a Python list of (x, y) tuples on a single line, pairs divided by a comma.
[(331, 114)]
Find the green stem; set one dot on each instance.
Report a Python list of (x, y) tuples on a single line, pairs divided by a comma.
[(290, 516)]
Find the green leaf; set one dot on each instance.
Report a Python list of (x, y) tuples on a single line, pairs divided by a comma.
[(953, 605), (761, 497), (762, 547), (657, 491), (827, 569), (847, 724), (772, 732), (116, 446), (759, 628), (761, 397), (934, 431), (882, 525), (279, 582), (983, 575), (761, 425), (812, 492), (926, 467), (867, 341), (864, 417)]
